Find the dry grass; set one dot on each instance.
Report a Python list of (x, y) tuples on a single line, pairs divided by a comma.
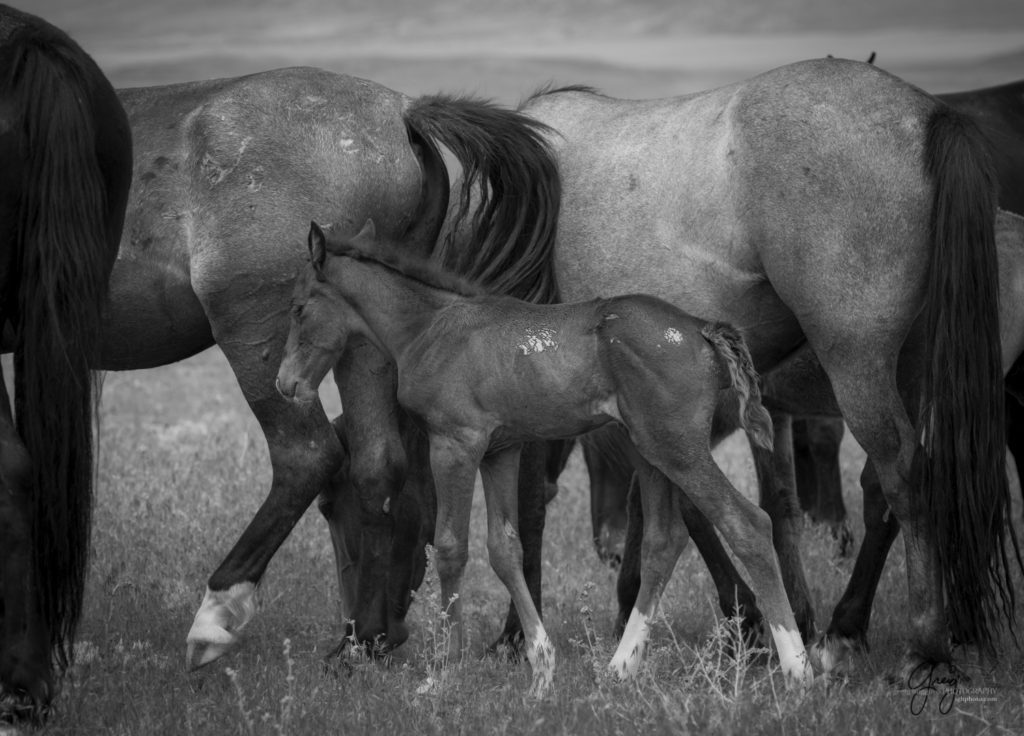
[(183, 468)]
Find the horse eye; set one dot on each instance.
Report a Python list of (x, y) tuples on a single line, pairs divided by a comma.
[(297, 309)]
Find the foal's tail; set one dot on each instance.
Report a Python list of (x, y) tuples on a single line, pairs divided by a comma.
[(503, 231), (64, 248), (733, 352), (962, 494)]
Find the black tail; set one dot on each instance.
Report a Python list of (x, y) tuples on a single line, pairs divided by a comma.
[(963, 490), (503, 232), (64, 254), (733, 352)]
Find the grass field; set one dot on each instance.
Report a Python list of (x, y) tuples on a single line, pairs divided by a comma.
[(184, 465)]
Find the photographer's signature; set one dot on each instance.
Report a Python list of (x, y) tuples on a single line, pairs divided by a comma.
[(925, 683)]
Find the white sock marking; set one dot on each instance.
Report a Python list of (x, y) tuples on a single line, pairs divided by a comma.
[(630, 653), (792, 655), (218, 622)]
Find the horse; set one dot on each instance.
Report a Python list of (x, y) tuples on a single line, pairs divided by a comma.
[(65, 150), (226, 171), (741, 204), (483, 373), (829, 210), (1000, 112)]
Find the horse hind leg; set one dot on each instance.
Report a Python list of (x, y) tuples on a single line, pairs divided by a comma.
[(819, 485), (777, 481), (848, 628), (664, 538)]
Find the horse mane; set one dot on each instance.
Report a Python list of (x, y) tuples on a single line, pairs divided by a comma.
[(421, 270), (551, 89)]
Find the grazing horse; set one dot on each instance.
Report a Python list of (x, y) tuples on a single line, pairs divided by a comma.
[(485, 373), (226, 171), (827, 209), (65, 154)]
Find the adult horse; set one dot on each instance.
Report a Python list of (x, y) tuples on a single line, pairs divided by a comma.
[(227, 174), (65, 153), (1000, 113), (820, 207)]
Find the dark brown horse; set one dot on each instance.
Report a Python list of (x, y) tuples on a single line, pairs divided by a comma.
[(65, 154), (485, 373), (227, 172)]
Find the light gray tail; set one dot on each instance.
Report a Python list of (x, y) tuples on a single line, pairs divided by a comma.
[(733, 352)]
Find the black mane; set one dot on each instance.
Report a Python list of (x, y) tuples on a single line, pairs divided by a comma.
[(551, 89), (424, 271)]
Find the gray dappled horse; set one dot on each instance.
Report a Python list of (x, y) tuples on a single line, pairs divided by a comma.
[(827, 209), (227, 174), (1000, 113), (485, 372), (65, 158)]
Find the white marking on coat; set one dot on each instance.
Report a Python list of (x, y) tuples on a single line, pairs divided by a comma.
[(541, 655), (219, 621), (630, 653), (537, 341), (792, 655), (674, 336)]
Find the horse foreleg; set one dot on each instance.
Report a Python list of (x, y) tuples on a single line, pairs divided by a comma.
[(532, 502), (304, 454), (498, 472), (849, 626), (778, 497), (454, 461), (26, 674), (664, 538)]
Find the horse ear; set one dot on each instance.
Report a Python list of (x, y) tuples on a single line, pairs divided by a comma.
[(317, 242)]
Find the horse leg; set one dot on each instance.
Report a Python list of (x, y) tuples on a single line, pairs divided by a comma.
[(664, 538), (778, 497), (532, 484), (734, 596), (819, 483), (26, 674), (605, 452), (498, 472), (454, 461), (849, 626), (304, 455)]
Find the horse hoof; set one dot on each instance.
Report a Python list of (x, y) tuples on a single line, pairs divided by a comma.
[(218, 623), (831, 654)]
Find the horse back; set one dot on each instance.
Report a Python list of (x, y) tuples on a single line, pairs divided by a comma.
[(228, 174)]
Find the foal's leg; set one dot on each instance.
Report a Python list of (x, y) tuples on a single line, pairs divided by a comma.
[(849, 626), (734, 595), (533, 485), (499, 471), (454, 460), (778, 497), (664, 539)]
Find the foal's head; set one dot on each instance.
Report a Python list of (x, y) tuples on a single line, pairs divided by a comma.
[(321, 321)]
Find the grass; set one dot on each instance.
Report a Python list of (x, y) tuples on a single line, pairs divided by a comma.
[(184, 466)]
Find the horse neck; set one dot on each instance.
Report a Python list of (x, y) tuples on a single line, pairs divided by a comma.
[(395, 308)]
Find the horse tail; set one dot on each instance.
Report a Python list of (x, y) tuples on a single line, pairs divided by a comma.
[(962, 491), (502, 233), (733, 353), (62, 263)]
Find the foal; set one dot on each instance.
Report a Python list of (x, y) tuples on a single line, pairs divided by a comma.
[(485, 373)]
